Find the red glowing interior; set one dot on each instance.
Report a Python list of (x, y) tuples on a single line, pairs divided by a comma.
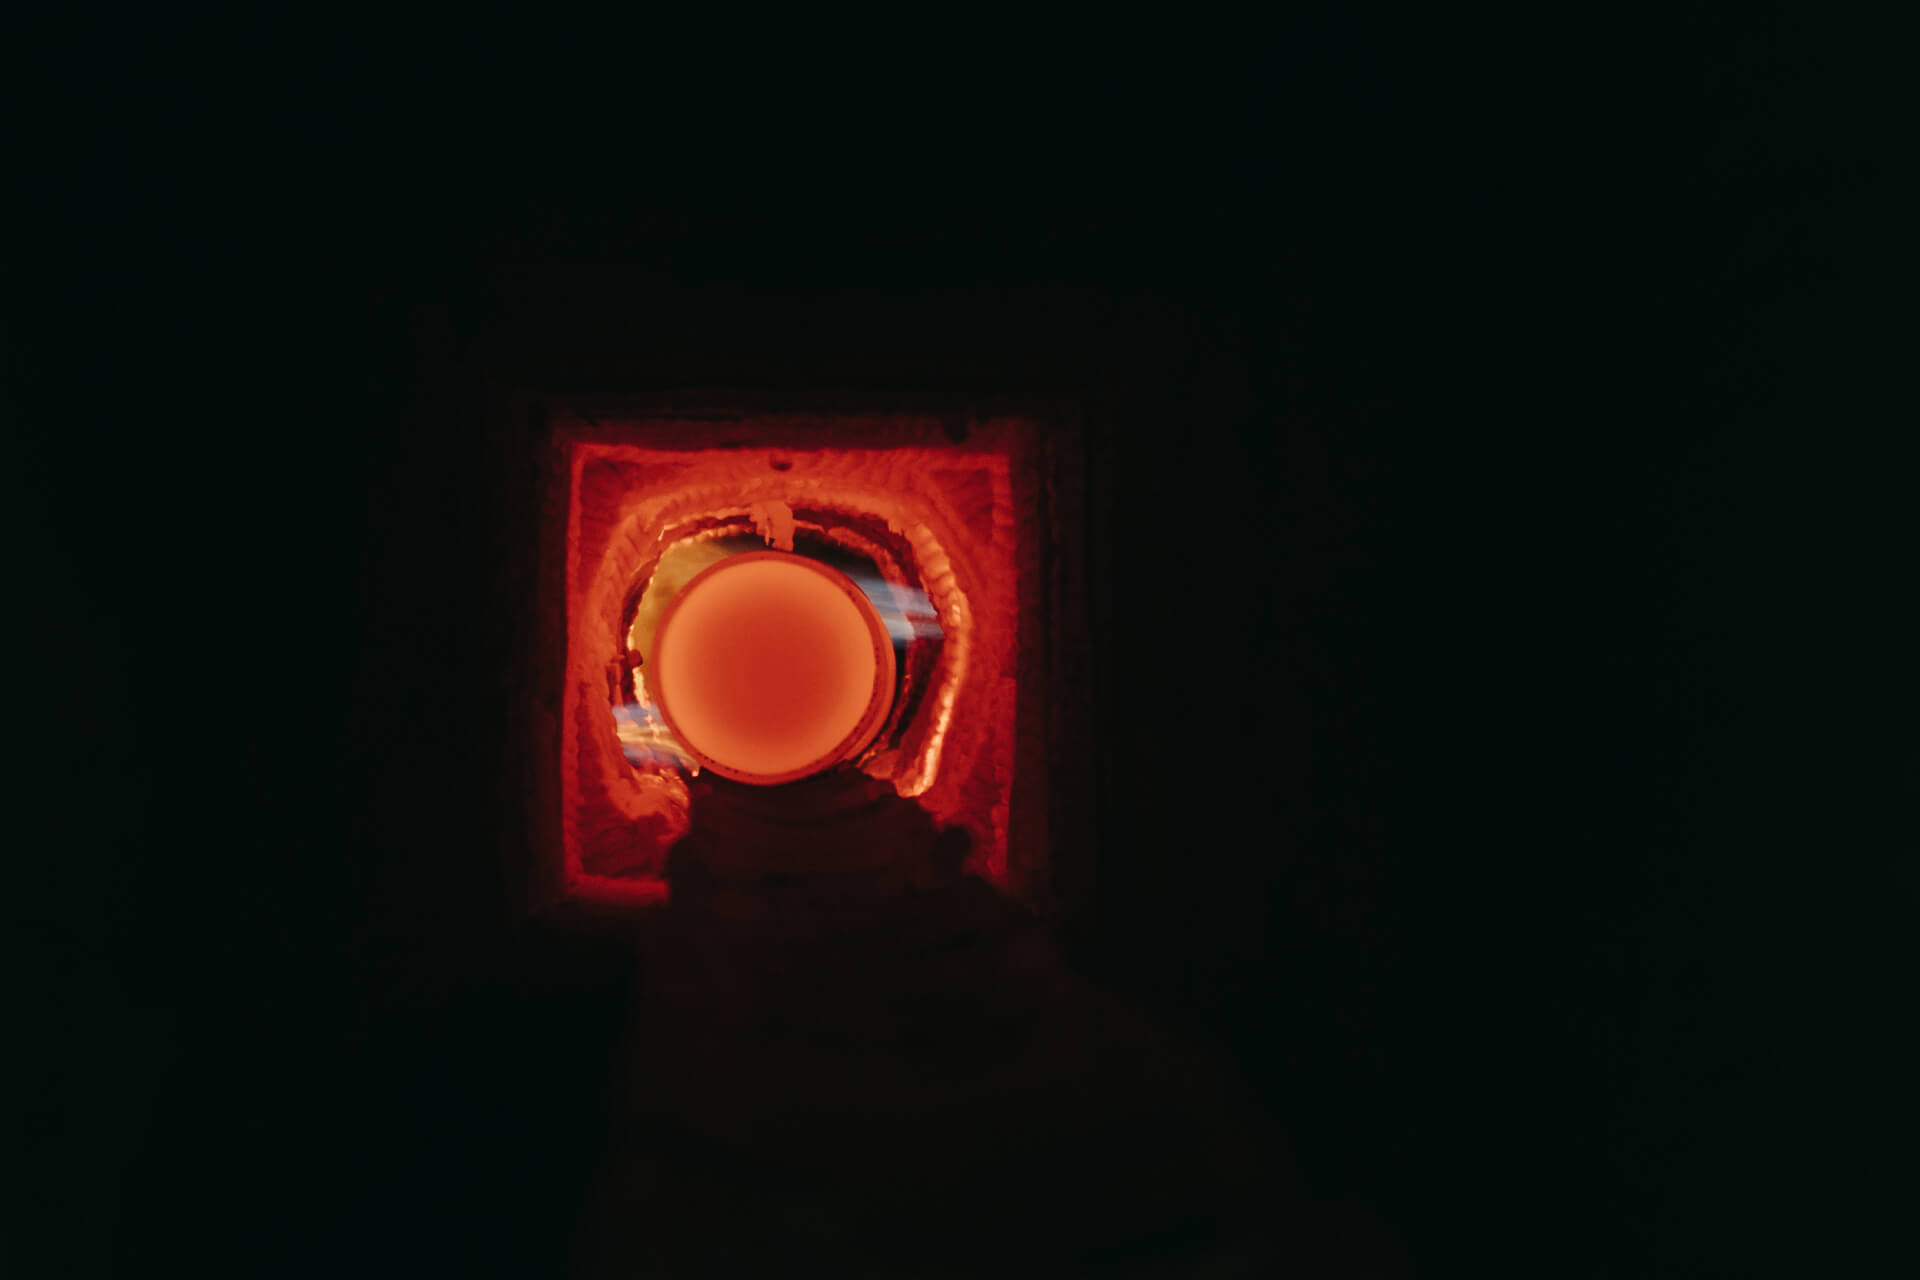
[(960, 521), (770, 667)]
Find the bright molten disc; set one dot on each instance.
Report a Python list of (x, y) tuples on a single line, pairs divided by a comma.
[(769, 667)]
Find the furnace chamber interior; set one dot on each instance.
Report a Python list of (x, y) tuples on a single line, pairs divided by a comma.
[(944, 545)]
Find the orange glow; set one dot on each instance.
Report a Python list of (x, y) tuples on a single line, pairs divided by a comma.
[(638, 503), (770, 666)]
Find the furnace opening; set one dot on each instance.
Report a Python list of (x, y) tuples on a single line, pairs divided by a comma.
[(945, 542)]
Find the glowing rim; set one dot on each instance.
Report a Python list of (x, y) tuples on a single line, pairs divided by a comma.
[(879, 700)]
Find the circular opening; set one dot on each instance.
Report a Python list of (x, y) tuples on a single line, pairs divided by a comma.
[(769, 666)]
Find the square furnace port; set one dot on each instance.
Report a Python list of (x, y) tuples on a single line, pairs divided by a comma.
[(960, 537)]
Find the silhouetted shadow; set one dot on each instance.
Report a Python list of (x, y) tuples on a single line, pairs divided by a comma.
[(849, 1058)]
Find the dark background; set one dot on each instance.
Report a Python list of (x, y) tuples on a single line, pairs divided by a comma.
[(1499, 465)]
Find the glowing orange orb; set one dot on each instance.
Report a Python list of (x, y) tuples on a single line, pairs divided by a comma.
[(769, 667)]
